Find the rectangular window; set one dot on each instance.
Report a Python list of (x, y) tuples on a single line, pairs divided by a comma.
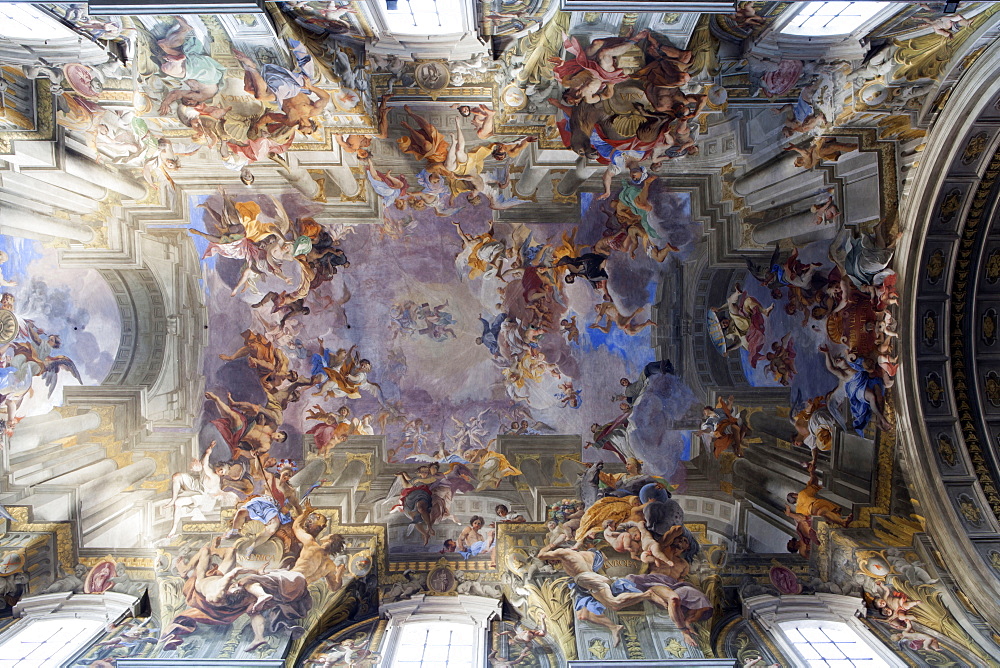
[(831, 645), (47, 642), (823, 19), (435, 645)]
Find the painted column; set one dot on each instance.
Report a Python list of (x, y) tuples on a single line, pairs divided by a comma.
[(88, 170), (780, 428), (30, 437), (67, 181), (350, 477), (84, 475), (300, 179), (17, 223), (530, 179), (781, 169), (798, 226), (101, 489), (344, 178), (573, 179), (309, 474)]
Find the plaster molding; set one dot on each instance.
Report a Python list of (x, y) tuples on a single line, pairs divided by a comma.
[(970, 97)]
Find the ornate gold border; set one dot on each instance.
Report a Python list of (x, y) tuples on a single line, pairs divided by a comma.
[(960, 303)]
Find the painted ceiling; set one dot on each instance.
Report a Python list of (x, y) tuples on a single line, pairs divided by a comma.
[(295, 300)]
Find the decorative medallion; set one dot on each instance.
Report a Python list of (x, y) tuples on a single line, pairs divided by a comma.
[(993, 267), (10, 563), (784, 580), (441, 580), (930, 328), (995, 560), (597, 649), (988, 327), (975, 147), (361, 564), (935, 267), (8, 326), (513, 98), (970, 511), (875, 565), (946, 449), (950, 205), (99, 578), (934, 390), (992, 384), (432, 76)]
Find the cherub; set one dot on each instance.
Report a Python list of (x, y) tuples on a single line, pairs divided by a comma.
[(652, 552), (625, 539), (746, 16), (916, 640), (946, 25), (569, 328), (570, 396), (498, 661), (781, 360), (481, 117), (609, 315), (895, 606), (826, 212), (822, 149), (523, 634)]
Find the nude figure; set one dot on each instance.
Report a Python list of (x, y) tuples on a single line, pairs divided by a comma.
[(579, 565), (608, 314)]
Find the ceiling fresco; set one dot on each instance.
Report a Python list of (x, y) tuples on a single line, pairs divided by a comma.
[(597, 314)]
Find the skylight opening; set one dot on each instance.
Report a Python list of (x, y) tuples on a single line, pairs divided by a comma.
[(828, 19), (425, 17), (20, 21)]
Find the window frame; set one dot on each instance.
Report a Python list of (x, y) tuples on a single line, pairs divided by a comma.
[(109, 609), (474, 611), (771, 611), (83, 642), (864, 27), (820, 624)]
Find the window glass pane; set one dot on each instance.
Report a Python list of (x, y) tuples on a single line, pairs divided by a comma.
[(460, 653), (792, 634), (424, 17), (434, 645), (832, 18), (813, 634), (46, 641), (807, 651), (839, 633), (831, 644), (828, 650)]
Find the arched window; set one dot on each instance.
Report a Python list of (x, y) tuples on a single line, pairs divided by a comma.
[(825, 19), (437, 644), (437, 631), (823, 643), (56, 627), (820, 631), (46, 642)]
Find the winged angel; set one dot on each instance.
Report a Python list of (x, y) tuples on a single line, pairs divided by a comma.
[(32, 357)]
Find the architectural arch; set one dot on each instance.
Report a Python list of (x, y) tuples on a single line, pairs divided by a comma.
[(953, 448)]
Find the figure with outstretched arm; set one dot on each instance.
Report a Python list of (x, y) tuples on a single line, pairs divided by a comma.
[(807, 501), (593, 588)]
